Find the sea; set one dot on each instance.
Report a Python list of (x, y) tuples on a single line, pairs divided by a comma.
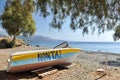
[(109, 47)]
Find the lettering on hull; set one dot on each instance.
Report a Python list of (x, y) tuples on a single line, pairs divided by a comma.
[(49, 56)]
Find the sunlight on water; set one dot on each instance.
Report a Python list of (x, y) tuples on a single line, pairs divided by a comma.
[(113, 47)]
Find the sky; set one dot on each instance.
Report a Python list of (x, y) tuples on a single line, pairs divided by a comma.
[(66, 33), (43, 28)]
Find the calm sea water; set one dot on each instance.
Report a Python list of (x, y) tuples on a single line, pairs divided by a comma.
[(113, 47)]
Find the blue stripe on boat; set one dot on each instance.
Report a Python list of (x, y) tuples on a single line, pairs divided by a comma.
[(37, 60)]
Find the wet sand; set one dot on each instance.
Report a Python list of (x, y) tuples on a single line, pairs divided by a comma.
[(86, 64)]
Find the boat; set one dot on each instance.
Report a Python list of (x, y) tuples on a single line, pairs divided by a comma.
[(36, 59)]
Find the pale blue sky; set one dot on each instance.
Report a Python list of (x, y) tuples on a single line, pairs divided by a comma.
[(66, 33)]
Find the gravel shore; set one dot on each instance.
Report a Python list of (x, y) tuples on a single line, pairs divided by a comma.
[(85, 66)]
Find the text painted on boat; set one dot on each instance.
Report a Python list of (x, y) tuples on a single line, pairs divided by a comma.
[(49, 55)]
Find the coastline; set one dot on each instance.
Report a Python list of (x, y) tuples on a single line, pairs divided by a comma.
[(86, 64)]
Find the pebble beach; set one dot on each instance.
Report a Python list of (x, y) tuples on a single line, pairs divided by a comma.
[(84, 67)]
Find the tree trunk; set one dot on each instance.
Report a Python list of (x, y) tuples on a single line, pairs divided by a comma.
[(14, 38)]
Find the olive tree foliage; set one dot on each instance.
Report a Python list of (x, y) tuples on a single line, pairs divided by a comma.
[(88, 15), (17, 18)]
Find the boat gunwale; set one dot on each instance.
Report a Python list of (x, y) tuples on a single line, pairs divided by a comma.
[(33, 51)]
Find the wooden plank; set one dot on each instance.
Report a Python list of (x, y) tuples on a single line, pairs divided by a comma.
[(51, 70), (41, 69), (47, 73)]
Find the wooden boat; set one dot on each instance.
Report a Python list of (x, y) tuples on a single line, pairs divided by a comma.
[(32, 60)]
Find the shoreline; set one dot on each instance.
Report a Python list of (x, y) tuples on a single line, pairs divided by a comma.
[(100, 52), (85, 67)]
